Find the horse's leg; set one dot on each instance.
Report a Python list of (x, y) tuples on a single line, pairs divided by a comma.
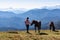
[(50, 28), (35, 28), (39, 30), (53, 28)]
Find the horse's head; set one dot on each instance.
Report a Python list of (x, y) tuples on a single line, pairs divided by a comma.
[(33, 22), (52, 24)]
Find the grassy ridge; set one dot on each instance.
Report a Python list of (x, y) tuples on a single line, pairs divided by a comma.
[(22, 35)]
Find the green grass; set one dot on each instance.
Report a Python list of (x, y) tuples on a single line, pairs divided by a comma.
[(22, 35)]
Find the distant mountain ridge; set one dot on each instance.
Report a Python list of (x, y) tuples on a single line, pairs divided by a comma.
[(44, 15), (16, 21), (6, 14), (16, 10)]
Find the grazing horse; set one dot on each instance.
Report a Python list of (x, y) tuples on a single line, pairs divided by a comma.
[(52, 26), (36, 25)]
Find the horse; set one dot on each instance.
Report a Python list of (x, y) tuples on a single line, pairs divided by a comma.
[(36, 25), (52, 26)]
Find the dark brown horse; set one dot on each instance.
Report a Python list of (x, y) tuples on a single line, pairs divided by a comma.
[(36, 25), (52, 26)]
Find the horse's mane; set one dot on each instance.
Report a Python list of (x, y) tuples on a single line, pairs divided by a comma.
[(36, 22)]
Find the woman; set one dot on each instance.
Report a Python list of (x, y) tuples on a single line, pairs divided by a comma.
[(27, 23)]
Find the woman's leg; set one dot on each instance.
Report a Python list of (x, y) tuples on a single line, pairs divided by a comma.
[(27, 26)]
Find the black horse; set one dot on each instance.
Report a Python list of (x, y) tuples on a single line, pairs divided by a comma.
[(36, 25), (52, 26)]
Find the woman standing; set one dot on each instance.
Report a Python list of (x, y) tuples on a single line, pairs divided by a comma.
[(27, 23)]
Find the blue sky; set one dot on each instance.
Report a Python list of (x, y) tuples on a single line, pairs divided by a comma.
[(28, 4)]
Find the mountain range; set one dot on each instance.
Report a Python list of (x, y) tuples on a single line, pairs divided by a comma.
[(16, 21)]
